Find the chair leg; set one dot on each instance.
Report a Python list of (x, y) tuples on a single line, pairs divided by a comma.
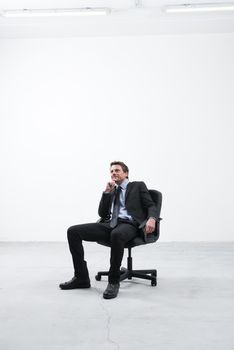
[(124, 274), (100, 274), (147, 275)]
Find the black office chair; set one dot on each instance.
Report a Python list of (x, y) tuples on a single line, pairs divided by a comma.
[(128, 273)]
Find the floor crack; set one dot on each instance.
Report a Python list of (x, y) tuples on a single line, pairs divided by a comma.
[(108, 322)]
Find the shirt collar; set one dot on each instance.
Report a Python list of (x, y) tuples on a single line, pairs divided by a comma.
[(124, 184)]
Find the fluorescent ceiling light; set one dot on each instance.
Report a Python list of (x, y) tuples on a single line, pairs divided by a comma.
[(56, 12), (209, 7)]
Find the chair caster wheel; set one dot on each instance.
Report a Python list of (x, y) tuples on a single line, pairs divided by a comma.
[(98, 278), (153, 283)]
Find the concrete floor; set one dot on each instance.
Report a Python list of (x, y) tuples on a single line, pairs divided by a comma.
[(192, 307)]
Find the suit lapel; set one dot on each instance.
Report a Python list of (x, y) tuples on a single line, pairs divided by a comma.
[(129, 187)]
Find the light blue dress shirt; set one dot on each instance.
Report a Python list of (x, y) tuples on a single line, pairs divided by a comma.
[(123, 213)]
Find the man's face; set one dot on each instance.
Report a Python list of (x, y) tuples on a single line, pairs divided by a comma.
[(117, 174)]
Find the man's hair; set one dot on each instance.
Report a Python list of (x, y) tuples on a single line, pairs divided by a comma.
[(123, 166)]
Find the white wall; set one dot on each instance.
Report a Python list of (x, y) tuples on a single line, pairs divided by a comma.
[(162, 104)]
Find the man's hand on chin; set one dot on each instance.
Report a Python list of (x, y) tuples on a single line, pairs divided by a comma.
[(110, 186), (150, 225)]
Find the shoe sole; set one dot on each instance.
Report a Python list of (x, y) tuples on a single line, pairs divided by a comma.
[(109, 296), (78, 287)]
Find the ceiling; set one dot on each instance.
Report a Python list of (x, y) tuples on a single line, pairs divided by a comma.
[(128, 17)]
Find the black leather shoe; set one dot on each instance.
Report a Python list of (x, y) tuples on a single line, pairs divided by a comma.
[(74, 283), (111, 291)]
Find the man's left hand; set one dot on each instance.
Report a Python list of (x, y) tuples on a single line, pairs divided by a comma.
[(150, 226)]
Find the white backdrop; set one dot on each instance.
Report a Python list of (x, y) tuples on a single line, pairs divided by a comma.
[(162, 104)]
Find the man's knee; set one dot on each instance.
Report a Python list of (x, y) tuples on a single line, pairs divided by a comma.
[(73, 232), (70, 232), (82, 231)]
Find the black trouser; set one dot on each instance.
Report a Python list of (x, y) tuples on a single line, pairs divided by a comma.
[(116, 237)]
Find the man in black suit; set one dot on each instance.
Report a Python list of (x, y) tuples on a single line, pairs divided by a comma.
[(126, 210)]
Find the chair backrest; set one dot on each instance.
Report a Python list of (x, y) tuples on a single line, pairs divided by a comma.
[(150, 238), (157, 199)]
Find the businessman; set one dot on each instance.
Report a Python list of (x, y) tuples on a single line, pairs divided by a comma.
[(126, 210)]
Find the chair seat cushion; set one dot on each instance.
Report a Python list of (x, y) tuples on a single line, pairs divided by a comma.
[(151, 238)]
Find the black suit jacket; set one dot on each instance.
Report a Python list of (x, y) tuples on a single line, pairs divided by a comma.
[(138, 202)]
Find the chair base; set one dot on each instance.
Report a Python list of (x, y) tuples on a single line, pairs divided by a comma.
[(126, 274), (129, 273)]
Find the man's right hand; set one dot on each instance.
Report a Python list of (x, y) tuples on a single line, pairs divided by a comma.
[(110, 186)]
